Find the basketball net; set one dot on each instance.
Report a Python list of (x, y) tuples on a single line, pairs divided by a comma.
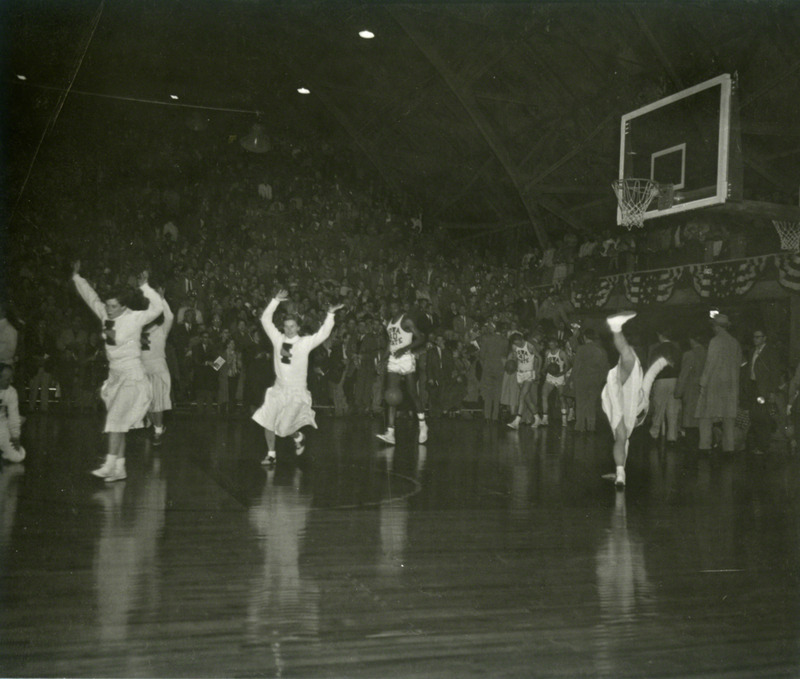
[(634, 197), (789, 233)]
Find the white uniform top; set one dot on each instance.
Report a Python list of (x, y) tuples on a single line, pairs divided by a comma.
[(555, 357), (295, 372), (9, 411), (398, 337), (154, 338), (122, 334), (525, 356)]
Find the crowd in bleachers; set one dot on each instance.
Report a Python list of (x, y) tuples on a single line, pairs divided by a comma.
[(218, 247)]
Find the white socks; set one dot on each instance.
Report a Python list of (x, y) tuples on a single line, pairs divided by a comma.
[(616, 321)]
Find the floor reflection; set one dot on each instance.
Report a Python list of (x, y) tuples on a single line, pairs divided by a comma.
[(393, 521), (126, 569), (624, 591), (283, 602), (484, 552), (10, 478)]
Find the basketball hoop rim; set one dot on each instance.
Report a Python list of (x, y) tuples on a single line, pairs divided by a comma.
[(634, 195), (789, 234)]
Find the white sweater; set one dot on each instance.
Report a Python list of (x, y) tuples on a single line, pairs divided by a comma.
[(295, 372), (9, 410), (125, 350)]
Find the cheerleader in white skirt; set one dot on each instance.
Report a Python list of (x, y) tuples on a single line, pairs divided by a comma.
[(154, 359), (287, 404), (126, 392), (626, 394), (10, 421)]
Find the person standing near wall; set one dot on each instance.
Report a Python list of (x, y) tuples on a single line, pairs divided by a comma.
[(719, 385)]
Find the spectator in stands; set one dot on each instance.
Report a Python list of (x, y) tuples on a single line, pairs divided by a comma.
[(257, 369), (183, 337), (793, 408), (333, 365), (8, 338), (462, 322), (367, 351), (71, 345), (204, 353), (40, 351), (553, 311), (435, 366), (10, 421)]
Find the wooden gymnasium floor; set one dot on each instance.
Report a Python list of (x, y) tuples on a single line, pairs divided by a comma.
[(485, 553)]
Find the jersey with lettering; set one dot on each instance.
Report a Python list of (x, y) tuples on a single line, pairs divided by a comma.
[(525, 356), (555, 358), (398, 337)]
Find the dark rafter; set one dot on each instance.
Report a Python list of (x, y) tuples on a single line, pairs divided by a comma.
[(474, 112)]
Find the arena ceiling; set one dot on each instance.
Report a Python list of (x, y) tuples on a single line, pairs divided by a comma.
[(485, 114)]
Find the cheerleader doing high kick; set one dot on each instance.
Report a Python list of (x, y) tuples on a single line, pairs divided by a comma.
[(626, 394)]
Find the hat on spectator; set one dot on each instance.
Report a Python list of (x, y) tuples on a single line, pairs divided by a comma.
[(721, 320)]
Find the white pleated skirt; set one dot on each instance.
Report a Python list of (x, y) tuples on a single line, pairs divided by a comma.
[(127, 395), (624, 402), (285, 410), (160, 384)]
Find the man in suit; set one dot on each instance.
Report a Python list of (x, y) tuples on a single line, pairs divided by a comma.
[(492, 355), (333, 365), (435, 375), (368, 349), (204, 353), (182, 337), (429, 320), (462, 323), (589, 373), (763, 377)]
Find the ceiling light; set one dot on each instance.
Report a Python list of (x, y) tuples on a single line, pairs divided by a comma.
[(256, 141), (21, 77), (303, 90), (367, 35), (197, 122)]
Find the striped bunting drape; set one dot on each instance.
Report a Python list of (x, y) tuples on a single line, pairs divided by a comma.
[(789, 271), (592, 295), (651, 286), (727, 279)]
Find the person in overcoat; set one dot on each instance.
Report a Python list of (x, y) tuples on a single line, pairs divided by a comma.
[(688, 387), (719, 385), (589, 376)]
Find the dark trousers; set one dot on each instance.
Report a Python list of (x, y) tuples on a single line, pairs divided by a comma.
[(761, 424)]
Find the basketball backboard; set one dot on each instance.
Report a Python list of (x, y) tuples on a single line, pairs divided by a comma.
[(688, 140)]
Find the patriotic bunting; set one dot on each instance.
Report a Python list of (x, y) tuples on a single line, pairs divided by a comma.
[(651, 286), (789, 271), (592, 295), (728, 279), (711, 281)]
